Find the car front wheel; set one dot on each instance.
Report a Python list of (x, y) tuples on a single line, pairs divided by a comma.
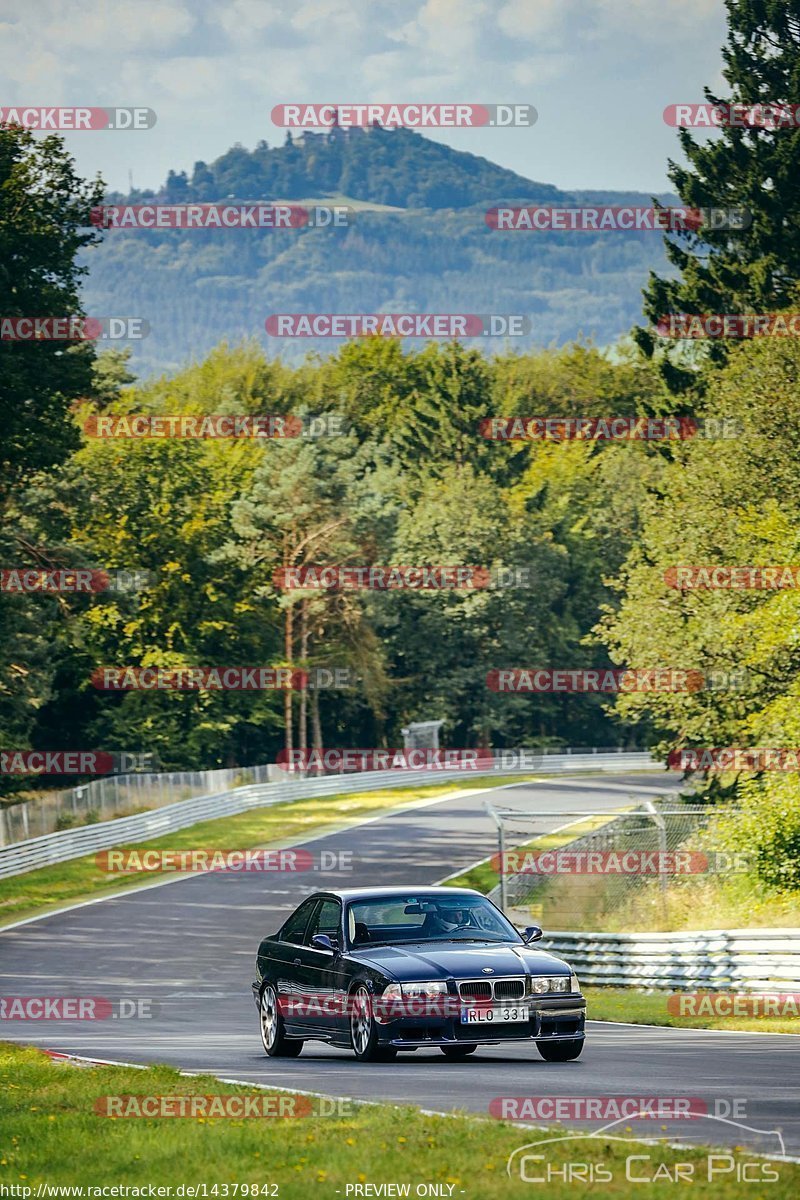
[(364, 1029), (560, 1051), (273, 1033)]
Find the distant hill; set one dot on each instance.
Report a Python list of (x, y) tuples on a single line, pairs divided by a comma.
[(435, 254)]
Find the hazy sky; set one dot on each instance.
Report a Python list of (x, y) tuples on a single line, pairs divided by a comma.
[(600, 73)]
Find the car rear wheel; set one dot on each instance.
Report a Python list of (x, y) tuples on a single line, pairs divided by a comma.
[(364, 1029), (560, 1051), (273, 1033), (459, 1051)]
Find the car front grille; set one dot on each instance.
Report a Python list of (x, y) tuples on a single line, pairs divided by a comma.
[(488, 989), (476, 989), (509, 989)]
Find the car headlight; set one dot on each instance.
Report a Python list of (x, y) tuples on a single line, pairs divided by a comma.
[(424, 991), (391, 992), (574, 986), (539, 984)]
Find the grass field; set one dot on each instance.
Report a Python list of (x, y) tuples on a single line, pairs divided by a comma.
[(280, 825), (650, 1008), (52, 1135)]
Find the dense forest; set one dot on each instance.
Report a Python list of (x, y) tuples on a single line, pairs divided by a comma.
[(406, 479)]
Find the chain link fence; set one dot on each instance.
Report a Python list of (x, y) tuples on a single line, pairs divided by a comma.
[(120, 796), (603, 869)]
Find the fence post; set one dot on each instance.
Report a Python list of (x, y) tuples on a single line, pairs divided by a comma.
[(661, 826)]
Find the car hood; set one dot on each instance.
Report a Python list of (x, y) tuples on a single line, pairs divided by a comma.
[(441, 960)]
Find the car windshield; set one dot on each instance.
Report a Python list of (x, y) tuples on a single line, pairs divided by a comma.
[(427, 918)]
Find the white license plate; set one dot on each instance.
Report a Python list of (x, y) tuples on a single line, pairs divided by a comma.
[(496, 1016)]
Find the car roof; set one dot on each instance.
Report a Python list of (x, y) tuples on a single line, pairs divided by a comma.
[(384, 893)]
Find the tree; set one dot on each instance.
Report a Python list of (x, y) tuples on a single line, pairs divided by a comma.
[(747, 166), (44, 223), (728, 502)]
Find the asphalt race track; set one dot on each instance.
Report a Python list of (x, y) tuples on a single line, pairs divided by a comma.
[(189, 946)]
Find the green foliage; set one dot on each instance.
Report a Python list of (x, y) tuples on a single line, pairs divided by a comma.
[(755, 168), (398, 168), (408, 481), (44, 215), (727, 502)]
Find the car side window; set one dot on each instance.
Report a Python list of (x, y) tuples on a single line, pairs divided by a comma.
[(295, 927), (327, 919)]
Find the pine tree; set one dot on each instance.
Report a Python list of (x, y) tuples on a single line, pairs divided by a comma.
[(754, 167)]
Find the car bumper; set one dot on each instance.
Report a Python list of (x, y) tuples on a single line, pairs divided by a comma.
[(551, 1020)]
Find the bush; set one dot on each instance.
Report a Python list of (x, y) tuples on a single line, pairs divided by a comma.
[(768, 828)]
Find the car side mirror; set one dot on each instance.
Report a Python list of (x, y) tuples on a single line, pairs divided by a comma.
[(532, 934), (321, 941)]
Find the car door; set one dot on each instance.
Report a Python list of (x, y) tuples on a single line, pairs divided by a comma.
[(287, 961), (319, 968)]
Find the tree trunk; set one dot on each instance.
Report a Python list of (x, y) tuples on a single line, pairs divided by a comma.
[(303, 721), (316, 726), (288, 653)]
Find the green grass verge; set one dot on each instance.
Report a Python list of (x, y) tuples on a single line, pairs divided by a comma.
[(279, 825), (650, 1008), (53, 1135)]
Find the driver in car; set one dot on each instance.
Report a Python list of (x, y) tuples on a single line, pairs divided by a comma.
[(445, 920)]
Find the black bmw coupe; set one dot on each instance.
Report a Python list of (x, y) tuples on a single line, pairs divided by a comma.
[(379, 970)]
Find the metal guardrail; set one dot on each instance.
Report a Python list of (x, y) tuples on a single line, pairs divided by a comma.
[(744, 960), (89, 839), (113, 796)]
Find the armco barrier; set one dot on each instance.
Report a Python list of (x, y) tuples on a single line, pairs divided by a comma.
[(747, 960), (74, 843)]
